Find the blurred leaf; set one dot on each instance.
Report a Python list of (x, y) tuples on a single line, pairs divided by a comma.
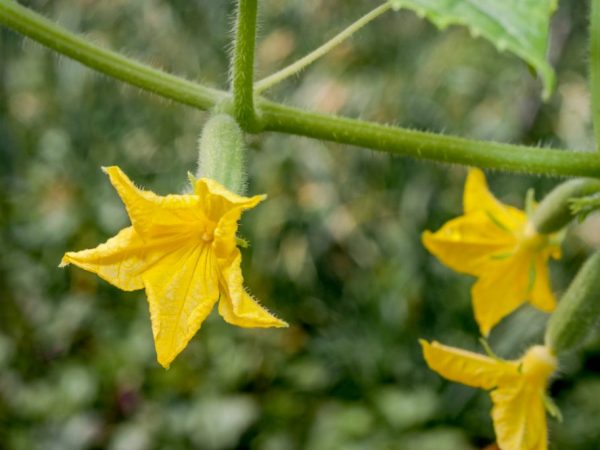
[(406, 408), (436, 439), (520, 26)]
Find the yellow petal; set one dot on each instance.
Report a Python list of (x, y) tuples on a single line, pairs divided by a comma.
[(225, 208), (182, 289), (468, 368), (519, 416), (502, 289), (236, 306), (541, 295), (477, 197), (225, 234), (120, 260), (466, 244), (154, 215), (216, 200)]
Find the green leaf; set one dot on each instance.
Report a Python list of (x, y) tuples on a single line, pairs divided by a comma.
[(520, 26)]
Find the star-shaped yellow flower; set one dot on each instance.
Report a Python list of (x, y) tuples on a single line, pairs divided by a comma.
[(518, 389), (497, 244), (182, 250)]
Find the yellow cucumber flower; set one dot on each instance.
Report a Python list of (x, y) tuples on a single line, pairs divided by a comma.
[(499, 245), (182, 250), (518, 389)]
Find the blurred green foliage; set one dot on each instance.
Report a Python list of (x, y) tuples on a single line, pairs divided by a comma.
[(335, 250)]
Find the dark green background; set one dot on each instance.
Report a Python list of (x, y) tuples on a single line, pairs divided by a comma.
[(335, 250)]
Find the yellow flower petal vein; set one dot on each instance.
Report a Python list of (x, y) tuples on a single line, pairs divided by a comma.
[(497, 244), (182, 250), (517, 389)]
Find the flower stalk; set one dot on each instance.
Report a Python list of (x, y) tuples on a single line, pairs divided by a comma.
[(242, 76)]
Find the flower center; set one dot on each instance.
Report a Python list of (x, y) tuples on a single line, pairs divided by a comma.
[(532, 240), (539, 362), (207, 232)]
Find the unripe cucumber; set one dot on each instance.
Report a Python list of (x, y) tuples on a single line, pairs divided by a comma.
[(554, 211), (222, 153), (579, 309)]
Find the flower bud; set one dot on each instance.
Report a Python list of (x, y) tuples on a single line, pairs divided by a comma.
[(222, 153), (579, 309)]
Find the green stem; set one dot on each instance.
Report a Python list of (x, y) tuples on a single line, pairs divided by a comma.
[(243, 64), (280, 118), (303, 62), (424, 145), (110, 63), (595, 67)]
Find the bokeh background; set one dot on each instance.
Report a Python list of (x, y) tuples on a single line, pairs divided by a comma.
[(335, 250)]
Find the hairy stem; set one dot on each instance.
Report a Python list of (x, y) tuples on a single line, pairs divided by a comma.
[(305, 61), (424, 145), (276, 117), (595, 68), (243, 64)]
